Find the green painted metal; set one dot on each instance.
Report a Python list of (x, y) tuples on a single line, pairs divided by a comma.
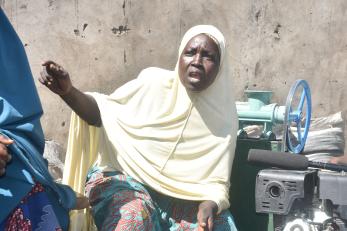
[(257, 99), (242, 189), (258, 110)]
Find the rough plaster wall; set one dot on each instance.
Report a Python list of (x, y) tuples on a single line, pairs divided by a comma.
[(105, 43)]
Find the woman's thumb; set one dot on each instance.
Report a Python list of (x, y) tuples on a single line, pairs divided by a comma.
[(5, 140)]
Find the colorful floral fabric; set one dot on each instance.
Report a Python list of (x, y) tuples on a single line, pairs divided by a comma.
[(121, 203)]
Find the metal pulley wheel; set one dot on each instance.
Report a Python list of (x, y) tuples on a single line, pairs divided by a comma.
[(297, 117), (299, 224)]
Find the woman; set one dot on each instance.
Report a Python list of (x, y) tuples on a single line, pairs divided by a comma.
[(161, 146), (29, 198)]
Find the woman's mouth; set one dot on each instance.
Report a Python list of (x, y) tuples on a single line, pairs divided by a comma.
[(194, 76)]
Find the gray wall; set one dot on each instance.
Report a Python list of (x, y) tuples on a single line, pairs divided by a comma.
[(105, 43)]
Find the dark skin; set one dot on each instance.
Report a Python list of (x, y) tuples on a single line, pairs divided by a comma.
[(341, 160), (198, 68), (57, 79), (5, 156), (199, 63)]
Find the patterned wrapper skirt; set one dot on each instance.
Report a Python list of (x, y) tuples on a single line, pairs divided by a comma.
[(119, 202), (33, 213)]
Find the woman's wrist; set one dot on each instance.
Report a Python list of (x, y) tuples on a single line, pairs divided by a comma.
[(68, 93), (209, 205)]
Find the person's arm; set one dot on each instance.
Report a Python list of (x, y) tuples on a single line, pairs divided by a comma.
[(342, 160), (57, 79), (5, 157), (206, 214), (84, 105)]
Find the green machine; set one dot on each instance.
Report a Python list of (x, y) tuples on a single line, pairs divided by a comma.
[(293, 119)]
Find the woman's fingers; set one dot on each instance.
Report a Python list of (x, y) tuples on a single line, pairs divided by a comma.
[(2, 167), (202, 221), (54, 69), (5, 157), (48, 62), (82, 202), (206, 224), (55, 78), (201, 228), (210, 224), (2, 164), (51, 72), (207, 210), (203, 225), (50, 67), (44, 78), (334, 160), (5, 141)]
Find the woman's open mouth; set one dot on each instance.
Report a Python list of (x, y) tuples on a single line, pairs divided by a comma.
[(194, 76)]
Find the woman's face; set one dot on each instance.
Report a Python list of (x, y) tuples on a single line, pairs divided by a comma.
[(199, 63)]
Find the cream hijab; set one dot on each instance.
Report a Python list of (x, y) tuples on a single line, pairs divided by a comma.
[(179, 143)]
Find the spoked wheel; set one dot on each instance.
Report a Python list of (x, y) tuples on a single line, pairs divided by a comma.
[(297, 116)]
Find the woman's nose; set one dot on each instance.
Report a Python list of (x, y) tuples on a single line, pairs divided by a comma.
[(197, 59)]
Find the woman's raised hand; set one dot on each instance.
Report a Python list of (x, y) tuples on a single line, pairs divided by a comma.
[(5, 157), (56, 78)]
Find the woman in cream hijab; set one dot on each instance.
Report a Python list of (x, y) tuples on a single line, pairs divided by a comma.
[(159, 150)]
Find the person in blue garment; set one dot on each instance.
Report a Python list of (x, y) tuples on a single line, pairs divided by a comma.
[(29, 198)]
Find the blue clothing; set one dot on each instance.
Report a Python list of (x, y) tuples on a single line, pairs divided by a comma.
[(20, 112), (34, 212)]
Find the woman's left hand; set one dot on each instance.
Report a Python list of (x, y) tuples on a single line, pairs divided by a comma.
[(82, 202), (207, 212)]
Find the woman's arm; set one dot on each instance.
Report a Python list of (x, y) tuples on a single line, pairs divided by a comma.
[(342, 160), (84, 105), (57, 79), (206, 214)]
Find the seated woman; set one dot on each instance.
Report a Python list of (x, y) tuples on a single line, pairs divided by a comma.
[(29, 198), (161, 147)]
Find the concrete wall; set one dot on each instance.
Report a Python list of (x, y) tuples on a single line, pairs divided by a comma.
[(105, 43)]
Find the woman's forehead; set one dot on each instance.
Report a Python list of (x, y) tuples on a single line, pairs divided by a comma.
[(208, 30), (202, 39)]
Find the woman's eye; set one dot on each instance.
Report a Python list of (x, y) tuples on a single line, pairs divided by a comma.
[(210, 57), (189, 52)]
